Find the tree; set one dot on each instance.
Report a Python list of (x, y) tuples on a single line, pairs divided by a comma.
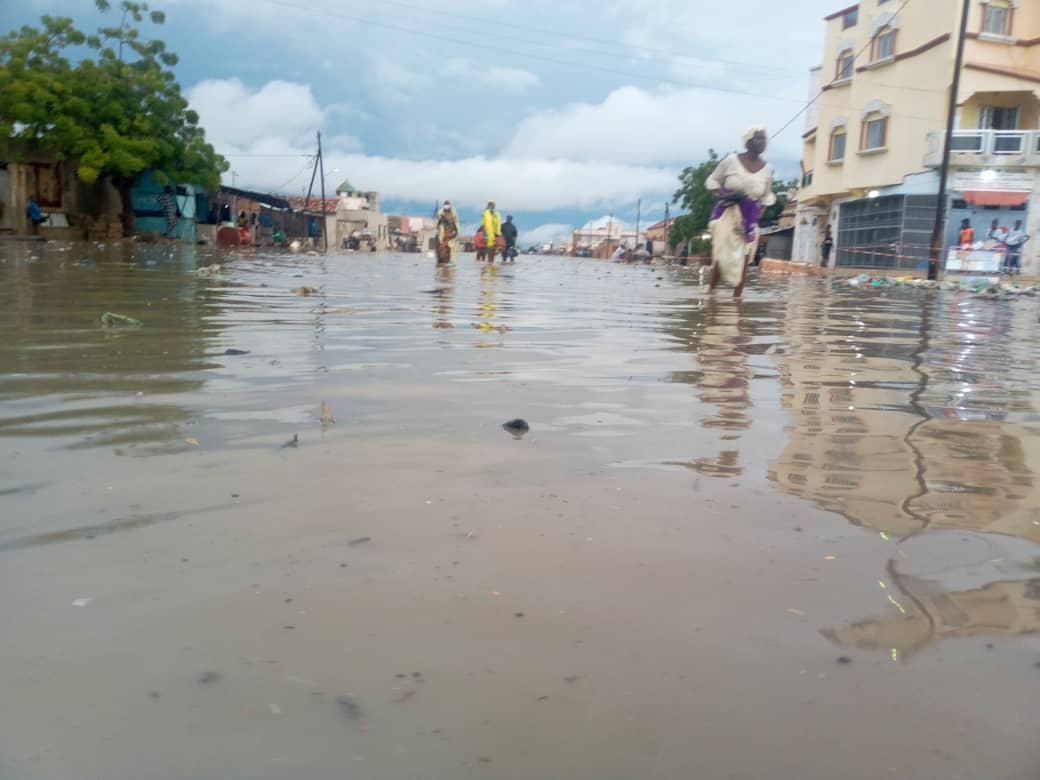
[(696, 199), (118, 112)]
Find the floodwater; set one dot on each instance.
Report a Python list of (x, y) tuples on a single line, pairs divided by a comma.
[(796, 536)]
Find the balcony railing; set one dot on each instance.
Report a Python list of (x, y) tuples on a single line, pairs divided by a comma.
[(1008, 147)]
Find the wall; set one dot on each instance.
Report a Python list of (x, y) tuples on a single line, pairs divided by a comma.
[(148, 212), (908, 86)]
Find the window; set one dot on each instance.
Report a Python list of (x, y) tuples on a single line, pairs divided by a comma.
[(996, 18), (850, 18), (875, 132), (884, 45), (838, 139), (807, 179), (998, 118), (846, 60)]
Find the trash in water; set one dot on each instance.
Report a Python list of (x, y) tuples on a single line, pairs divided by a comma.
[(293, 442), (326, 414), (360, 541), (80, 602), (517, 427), (348, 707), (236, 351), (209, 677), (192, 442), (209, 270), (305, 291), (111, 320)]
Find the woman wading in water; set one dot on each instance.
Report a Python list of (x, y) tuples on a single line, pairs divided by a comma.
[(744, 186)]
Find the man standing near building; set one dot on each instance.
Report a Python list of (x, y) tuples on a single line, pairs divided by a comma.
[(1015, 239), (491, 223), (509, 232)]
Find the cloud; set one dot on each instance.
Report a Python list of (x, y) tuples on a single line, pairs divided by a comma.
[(268, 136), (235, 116), (513, 79), (545, 234), (635, 126)]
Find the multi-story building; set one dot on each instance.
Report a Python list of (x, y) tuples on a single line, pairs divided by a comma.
[(874, 137)]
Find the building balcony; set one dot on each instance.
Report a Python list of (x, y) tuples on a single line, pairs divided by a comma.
[(986, 148)]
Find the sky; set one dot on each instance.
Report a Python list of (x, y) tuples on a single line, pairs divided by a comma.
[(563, 111)]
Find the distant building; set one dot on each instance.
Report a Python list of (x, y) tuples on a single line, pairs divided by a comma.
[(873, 141), (600, 241), (658, 233), (358, 214)]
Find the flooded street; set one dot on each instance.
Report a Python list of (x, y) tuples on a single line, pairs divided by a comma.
[(796, 536)]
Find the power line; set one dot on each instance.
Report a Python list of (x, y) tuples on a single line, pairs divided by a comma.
[(528, 55), (866, 46), (658, 55), (571, 36)]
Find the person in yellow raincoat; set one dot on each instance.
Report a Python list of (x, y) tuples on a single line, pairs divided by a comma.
[(447, 233), (492, 225)]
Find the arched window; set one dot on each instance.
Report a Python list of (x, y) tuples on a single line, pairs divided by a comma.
[(838, 141), (874, 134), (883, 46), (846, 61)]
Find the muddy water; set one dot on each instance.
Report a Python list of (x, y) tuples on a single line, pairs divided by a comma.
[(793, 537)]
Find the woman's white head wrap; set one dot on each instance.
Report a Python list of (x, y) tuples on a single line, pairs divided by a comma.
[(754, 130)]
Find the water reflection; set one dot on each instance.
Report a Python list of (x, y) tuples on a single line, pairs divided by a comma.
[(915, 416), (878, 436), (488, 307), (444, 297), (924, 612)]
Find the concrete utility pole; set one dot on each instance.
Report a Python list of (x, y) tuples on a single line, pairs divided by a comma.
[(935, 260), (324, 222)]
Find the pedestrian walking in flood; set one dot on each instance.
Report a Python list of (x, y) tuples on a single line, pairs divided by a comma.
[(743, 184)]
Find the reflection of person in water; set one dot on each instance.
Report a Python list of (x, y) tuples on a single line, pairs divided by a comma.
[(444, 297), (725, 383)]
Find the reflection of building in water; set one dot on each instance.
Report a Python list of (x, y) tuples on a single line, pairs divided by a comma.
[(924, 612), (876, 436)]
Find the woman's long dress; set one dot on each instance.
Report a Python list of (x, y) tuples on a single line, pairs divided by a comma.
[(734, 229)]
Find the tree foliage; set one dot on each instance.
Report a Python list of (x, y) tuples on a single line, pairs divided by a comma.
[(118, 111), (695, 198)]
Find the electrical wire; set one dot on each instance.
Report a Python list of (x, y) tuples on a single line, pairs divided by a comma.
[(670, 55), (528, 55)]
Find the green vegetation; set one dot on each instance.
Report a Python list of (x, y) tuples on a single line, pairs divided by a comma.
[(698, 203), (107, 101)]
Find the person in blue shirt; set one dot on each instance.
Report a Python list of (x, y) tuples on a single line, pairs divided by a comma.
[(36, 217)]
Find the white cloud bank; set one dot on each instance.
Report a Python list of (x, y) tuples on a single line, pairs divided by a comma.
[(280, 118)]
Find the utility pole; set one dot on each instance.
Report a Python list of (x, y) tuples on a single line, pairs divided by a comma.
[(935, 260), (324, 224), (639, 210)]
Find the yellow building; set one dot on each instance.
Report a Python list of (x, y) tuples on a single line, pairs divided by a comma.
[(873, 140)]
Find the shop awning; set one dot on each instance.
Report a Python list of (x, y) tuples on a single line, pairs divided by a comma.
[(996, 198)]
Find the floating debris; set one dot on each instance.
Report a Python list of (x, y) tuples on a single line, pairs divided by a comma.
[(112, 320), (359, 541), (979, 285), (348, 707), (294, 442), (304, 291), (517, 427), (236, 351)]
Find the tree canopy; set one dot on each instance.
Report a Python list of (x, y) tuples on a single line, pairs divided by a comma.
[(117, 110)]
